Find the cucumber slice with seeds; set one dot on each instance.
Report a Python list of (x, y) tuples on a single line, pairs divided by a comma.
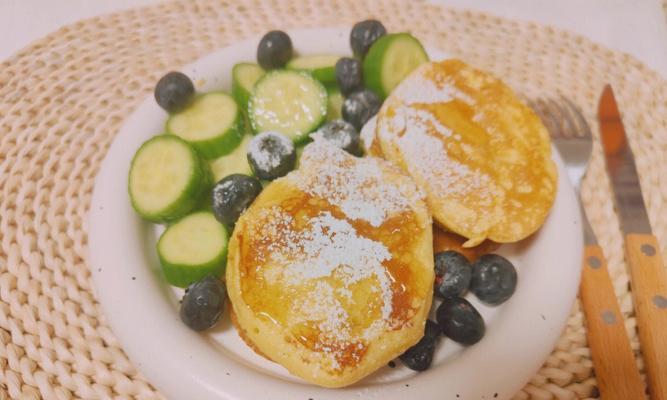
[(192, 248), (212, 124), (390, 60), (322, 67), (244, 77), (235, 162), (289, 102), (167, 179)]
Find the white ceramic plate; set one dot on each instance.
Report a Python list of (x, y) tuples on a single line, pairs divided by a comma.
[(143, 309)]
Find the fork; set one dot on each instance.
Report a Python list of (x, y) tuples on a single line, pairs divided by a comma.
[(613, 360)]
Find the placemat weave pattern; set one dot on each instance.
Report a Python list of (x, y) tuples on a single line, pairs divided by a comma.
[(63, 99)]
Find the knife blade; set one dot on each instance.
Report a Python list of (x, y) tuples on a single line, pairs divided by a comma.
[(642, 251), (621, 167)]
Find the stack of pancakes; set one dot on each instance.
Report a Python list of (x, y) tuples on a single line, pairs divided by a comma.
[(330, 271)]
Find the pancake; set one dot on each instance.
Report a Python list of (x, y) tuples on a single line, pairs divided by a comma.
[(443, 241), (330, 270), (242, 333), (482, 157), (369, 143)]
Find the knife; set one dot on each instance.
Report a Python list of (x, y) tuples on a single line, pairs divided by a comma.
[(642, 251)]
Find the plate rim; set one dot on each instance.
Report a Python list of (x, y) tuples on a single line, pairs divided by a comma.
[(195, 382)]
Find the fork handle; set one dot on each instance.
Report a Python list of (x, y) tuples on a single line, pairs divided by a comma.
[(615, 366), (649, 292)]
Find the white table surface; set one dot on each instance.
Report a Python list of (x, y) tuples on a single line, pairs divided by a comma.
[(637, 27)]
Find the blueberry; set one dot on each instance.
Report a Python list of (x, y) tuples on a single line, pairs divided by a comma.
[(493, 279), (432, 329), (460, 321), (452, 274), (174, 91), (364, 34), (274, 50), (203, 303), (232, 195), (360, 106), (271, 155), (419, 356), (342, 135), (349, 75)]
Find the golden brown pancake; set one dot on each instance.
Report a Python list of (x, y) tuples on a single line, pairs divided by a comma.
[(482, 157), (443, 241), (330, 271), (242, 333)]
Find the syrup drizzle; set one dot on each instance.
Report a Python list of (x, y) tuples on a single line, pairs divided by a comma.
[(336, 276)]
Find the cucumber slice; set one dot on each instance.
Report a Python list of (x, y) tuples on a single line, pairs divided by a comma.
[(322, 67), (212, 124), (390, 59), (334, 104), (167, 179), (235, 162), (193, 247), (289, 102), (244, 77)]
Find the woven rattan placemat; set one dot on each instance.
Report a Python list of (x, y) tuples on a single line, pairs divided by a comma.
[(63, 99)]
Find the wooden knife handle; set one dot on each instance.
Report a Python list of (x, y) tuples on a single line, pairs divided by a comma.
[(649, 292), (615, 367)]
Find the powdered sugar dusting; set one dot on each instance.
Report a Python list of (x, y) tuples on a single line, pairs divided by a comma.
[(311, 250), (439, 89), (355, 185), (422, 139), (331, 247), (368, 133), (321, 305), (420, 135), (327, 250), (224, 187), (267, 159)]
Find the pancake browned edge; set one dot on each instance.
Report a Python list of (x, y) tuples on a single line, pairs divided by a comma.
[(482, 157), (242, 333), (448, 241), (330, 271)]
